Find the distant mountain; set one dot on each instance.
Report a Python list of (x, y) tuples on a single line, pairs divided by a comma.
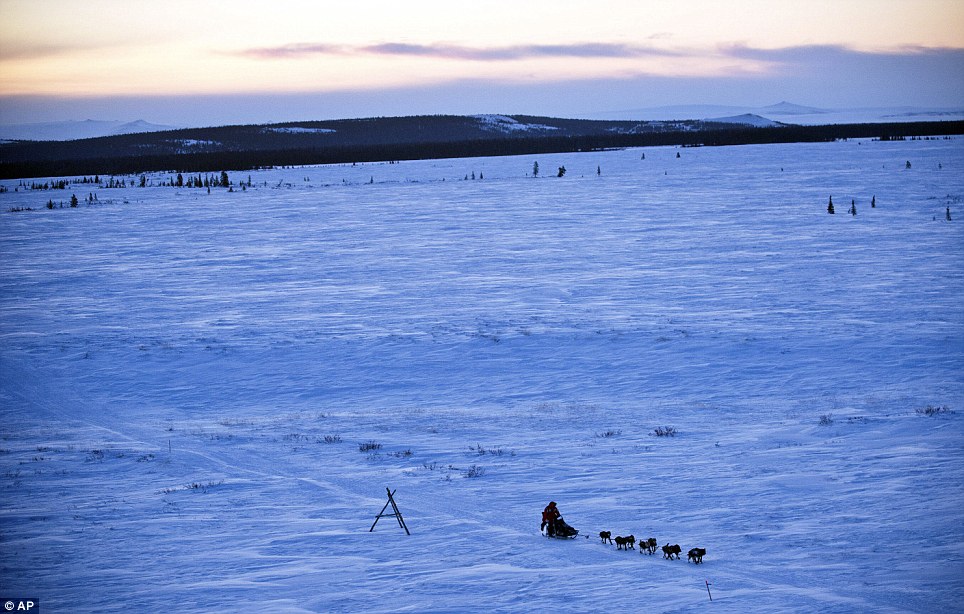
[(73, 130), (788, 108), (791, 113), (674, 112)]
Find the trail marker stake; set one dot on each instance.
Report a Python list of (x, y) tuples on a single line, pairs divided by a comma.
[(397, 514), (708, 589)]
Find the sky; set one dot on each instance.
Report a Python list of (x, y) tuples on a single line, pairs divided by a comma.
[(189, 63)]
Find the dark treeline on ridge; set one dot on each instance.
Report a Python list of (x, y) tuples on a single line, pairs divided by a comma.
[(405, 138)]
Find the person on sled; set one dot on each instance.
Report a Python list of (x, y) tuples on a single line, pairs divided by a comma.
[(549, 517)]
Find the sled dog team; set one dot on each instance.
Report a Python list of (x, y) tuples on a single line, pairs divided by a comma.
[(555, 526), (649, 547)]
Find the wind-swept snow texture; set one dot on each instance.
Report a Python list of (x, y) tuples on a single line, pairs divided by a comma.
[(204, 396)]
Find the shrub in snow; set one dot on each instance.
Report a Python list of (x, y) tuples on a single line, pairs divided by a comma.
[(332, 439), (826, 420), (369, 446), (665, 431), (493, 451), (930, 410), (475, 472)]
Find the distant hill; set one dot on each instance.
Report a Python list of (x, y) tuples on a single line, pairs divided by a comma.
[(72, 130), (791, 113), (788, 108), (134, 150)]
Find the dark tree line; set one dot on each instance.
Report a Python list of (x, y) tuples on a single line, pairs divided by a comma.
[(252, 147)]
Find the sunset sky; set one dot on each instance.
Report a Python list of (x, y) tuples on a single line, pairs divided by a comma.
[(189, 62)]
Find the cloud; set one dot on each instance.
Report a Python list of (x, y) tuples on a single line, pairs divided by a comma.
[(518, 52), (823, 56), (40, 51), (461, 52), (293, 50), (813, 55)]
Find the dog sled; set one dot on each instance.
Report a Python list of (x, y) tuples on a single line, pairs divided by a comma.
[(562, 530)]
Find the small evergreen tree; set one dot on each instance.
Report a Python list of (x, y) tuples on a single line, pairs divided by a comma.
[(562, 171), (830, 206), (73, 200), (224, 179), (535, 169)]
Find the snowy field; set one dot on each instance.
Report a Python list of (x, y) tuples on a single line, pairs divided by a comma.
[(205, 396)]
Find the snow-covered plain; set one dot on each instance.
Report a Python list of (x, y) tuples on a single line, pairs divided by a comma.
[(188, 381)]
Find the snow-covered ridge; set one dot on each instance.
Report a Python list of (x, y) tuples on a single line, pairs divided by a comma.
[(507, 125), (298, 130), (748, 119)]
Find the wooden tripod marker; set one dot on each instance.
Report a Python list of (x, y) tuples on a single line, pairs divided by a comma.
[(397, 514)]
